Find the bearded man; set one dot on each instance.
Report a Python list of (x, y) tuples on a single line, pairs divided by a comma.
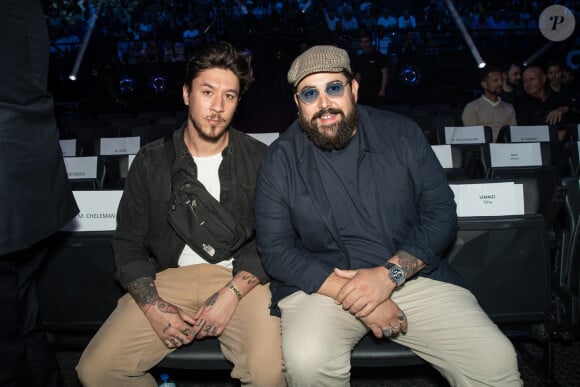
[(490, 109), (353, 212), (175, 296)]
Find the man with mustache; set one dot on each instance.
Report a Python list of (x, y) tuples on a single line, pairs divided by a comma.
[(353, 211), (490, 109), (174, 295)]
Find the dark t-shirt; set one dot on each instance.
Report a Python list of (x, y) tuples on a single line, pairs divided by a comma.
[(369, 67), (338, 172)]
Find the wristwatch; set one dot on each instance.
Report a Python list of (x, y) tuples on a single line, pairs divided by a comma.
[(396, 274)]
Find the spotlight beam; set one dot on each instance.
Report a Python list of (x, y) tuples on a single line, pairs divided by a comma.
[(535, 55), (81, 53), (461, 26)]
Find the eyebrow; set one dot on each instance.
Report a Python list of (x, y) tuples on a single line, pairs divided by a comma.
[(213, 88)]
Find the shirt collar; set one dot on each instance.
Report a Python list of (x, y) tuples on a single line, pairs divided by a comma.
[(494, 104)]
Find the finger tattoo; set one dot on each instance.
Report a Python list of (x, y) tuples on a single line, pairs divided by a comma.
[(166, 328)]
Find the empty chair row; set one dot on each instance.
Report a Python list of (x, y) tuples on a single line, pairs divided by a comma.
[(109, 169)]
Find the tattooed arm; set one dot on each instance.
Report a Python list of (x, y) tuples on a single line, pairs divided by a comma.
[(410, 264), (172, 325), (213, 317)]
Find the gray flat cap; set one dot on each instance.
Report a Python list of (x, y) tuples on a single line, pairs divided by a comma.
[(318, 59)]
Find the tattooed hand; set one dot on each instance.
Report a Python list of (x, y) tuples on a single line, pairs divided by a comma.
[(172, 325), (215, 314)]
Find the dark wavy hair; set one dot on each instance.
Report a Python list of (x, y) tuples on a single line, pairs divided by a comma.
[(224, 56)]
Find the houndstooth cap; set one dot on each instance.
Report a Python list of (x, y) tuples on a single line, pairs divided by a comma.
[(318, 59)]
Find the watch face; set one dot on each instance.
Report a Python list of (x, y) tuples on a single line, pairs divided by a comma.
[(397, 275)]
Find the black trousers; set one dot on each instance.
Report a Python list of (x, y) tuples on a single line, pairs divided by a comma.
[(26, 358)]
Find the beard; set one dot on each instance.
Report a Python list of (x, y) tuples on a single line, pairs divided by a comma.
[(497, 91), (514, 83), (213, 136), (330, 137)]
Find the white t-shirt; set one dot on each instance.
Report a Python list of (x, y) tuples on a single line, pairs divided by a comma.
[(207, 174)]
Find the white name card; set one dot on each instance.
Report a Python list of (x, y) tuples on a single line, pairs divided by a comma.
[(516, 155), (464, 135), (120, 146), (529, 133), (81, 167), (266, 138), (98, 211), (68, 147), (489, 199), (443, 153)]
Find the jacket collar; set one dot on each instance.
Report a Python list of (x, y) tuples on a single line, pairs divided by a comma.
[(183, 159)]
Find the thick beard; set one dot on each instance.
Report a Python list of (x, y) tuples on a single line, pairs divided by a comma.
[(343, 130), (209, 138)]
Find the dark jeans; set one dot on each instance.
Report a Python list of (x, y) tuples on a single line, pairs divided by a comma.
[(26, 358)]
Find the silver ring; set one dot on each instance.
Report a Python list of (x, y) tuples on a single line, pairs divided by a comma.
[(387, 331), (396, 327)]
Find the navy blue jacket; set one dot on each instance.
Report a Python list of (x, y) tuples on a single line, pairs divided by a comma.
[(404, 188)]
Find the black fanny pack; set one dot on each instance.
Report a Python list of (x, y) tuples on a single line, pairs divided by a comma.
[(199, 219)]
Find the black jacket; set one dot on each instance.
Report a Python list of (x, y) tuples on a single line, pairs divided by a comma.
[(144, 242)]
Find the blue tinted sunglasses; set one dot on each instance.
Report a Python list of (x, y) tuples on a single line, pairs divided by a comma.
[(309, 95)]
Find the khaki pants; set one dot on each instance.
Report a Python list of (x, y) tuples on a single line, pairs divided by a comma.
[(447, 328), (126, 347)]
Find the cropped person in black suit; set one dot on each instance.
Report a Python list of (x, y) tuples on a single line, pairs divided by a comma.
[(35, 196)]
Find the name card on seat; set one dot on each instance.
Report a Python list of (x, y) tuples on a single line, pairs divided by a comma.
[(81, 167), (489, 199), (68, 147), (530, 133), (114, 146), (266, 138), (98, 211), (516, 155), (443, 153), (464, 134)]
